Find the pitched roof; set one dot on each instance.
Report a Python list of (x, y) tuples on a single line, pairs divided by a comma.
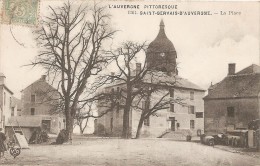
[(4, 86), (42, 86), (176, 81), (17, 102), (25, 121), (250, 69), (158, 77), (243, 84)]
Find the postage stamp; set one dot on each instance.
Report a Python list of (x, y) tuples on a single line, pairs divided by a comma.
[(20, 12)]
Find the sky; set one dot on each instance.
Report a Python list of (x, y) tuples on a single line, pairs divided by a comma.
[(204, 44)]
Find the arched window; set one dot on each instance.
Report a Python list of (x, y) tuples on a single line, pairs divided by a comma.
[(163, 69)]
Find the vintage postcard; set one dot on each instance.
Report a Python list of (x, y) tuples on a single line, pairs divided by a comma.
[(129, 83)]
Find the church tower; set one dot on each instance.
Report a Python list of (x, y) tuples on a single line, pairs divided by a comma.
[(161, 54)]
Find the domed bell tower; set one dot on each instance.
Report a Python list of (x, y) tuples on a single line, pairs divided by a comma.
[(161, 54)]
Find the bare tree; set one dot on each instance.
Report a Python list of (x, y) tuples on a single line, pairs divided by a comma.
[(156, 94), (71, 41), (124, 58), (140, 84), (83, 122)]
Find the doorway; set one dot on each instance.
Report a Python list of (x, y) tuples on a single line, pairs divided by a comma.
[(172, 119), (111, 125), (46, 125)]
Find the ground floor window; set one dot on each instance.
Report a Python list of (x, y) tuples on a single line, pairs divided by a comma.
[(230, 112), (199, 114), (12, 111), (192, 124), (32, 111), (172, 107), (191, 109)]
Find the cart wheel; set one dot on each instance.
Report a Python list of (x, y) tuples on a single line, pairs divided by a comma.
[(211, 142)]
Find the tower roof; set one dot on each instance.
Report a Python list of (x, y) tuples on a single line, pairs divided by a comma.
[(161, 43)]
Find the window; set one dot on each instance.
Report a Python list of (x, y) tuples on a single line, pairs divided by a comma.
[(147, 121), (19, 112), (4, 98), (117, 109), (191, 109), (171, 92), (172, 107), (191, 95), (192, 124), (118, 92), (32, 111), (10, 102), (145, 105), (33, 98), (163, 69), (199, 114), (230, 112), (12, 111)]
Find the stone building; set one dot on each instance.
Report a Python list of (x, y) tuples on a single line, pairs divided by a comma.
[(8, 103), (161, 61), (233, 102), (39, 103)]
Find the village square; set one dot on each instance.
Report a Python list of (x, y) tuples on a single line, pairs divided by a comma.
[(91, 97)]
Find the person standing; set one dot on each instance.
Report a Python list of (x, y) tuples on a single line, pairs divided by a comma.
[(2, 143)]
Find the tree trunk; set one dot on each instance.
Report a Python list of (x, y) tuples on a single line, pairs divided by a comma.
[(69, 126), (125, 124), (125, 133), (140, 125), (80, 127), (81, 132), (83, 125)]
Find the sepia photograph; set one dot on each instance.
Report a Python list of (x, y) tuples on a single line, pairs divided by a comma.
[(129, 83)]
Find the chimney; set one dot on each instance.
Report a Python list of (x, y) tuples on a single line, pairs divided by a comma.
[(112, 76), (138, 68), (210, 88), (2, 79), (43, 78), (231, 68)]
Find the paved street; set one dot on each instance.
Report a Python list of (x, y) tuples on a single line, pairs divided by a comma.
[(110, 152)]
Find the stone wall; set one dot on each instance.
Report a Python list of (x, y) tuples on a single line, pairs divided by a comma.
[(44, 104), (217, 120), (6, 109)]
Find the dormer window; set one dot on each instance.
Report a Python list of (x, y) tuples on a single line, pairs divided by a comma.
[(162, 54)]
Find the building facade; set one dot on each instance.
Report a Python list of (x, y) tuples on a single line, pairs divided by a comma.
[(9, 105), (39, 102), (233, 102), (187, 117)]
